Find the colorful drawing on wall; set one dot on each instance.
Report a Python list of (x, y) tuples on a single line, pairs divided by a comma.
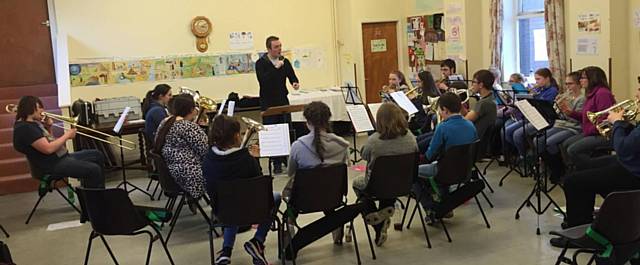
[(589, 22), (123, 71)]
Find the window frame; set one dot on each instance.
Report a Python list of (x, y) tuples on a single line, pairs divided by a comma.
[(516, 22)]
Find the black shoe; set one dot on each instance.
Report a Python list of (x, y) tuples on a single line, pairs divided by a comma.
[(256, 250), (224, 256), (277, 169), (561, 242)]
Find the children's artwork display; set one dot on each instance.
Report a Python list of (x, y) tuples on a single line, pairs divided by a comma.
[(90, 72)]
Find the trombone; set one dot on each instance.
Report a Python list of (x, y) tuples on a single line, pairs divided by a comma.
[(129, 145)]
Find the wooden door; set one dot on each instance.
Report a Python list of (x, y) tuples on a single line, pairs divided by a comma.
[(380, 50), (26, 68)]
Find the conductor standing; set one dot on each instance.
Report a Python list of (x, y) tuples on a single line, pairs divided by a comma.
[(272, 70)]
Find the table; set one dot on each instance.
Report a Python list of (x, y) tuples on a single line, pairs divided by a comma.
[(333, 97)]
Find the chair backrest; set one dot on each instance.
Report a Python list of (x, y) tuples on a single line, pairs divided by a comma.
[(619, 217), (392, 176), (455, 165), (167, 183), (320, 188), (482, 147), (110, 211), (244, 201)]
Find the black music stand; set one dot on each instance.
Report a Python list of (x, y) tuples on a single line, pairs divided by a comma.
[(508, 98), (118, 132), (4, 231), (352, 96), (545, 108)]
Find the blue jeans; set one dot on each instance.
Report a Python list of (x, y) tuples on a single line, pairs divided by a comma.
[(85, 165), (510, 128), (229, 232), (424, 140), (577, 149), (555, 137), (520, 135), (426, 195)]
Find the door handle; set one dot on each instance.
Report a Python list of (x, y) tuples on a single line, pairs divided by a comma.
[(46, 23)]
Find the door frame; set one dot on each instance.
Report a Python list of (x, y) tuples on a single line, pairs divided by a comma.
[(401, 50)]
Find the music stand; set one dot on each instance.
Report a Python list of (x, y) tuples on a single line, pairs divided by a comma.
[(352, 96), (282, 110), (117, 129), (545, 108)]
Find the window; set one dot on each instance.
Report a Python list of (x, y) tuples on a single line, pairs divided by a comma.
[(531, 36)]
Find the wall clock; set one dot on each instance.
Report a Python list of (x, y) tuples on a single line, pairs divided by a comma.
[(201, 28)]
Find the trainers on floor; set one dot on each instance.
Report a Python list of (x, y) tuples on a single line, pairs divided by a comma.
[(224, 257), (256, 250), (383, 233), (379, 216)]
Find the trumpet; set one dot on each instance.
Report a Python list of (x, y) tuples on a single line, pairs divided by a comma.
[(252, 127), (129, 145), (630, 108), (204, 104)]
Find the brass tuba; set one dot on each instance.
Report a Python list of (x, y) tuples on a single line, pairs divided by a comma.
[(204, 104), (252, 127), (630, 108)]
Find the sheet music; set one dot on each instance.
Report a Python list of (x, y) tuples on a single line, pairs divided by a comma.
[(532, 114), (274, 140), (351, 95), (403, 101), (222, 107), (373, 107), (359, 118), (121, 120), (231, 108)]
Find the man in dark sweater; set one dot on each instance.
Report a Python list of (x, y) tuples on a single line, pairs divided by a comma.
[(272, 71)]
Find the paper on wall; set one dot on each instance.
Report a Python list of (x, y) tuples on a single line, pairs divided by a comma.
[(587, 45)]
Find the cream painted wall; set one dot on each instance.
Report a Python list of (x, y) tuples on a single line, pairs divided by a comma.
[(633, 49), (124, 28), (351, 15)]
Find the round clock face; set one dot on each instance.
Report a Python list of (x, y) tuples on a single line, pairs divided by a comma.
[(202, 26)]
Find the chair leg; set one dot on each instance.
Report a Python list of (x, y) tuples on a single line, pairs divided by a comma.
[(68, 201), (149, 248), (398, 227), (211, 249), (149, 184), (113, 257), (561, 257), (486, 199), (86, 257), (174, 220), (4, 231), (424, 228), (34, 208), (156, 190), (355, 242), (482, 212), (481, 175), (413, 214), (446, 232), (164, 244), (373, 252)]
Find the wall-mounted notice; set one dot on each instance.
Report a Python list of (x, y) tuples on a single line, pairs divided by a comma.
[(587, 46), (589, 22), (636, 18), (241, 40)]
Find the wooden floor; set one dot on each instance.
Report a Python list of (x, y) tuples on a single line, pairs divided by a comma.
[(509, 241)]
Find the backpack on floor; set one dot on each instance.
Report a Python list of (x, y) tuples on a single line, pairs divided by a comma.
[(5, 255)]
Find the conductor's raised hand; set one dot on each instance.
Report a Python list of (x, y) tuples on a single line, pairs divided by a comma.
[(296, 85)]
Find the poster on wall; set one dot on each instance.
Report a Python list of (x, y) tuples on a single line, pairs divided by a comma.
[(241, 40), (587, 46), (589, 22), (423, 33)]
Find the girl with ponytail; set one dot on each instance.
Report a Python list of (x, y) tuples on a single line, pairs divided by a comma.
[(154, 109), (319, 147)]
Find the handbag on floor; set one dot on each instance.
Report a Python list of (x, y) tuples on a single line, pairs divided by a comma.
[(5, 255)]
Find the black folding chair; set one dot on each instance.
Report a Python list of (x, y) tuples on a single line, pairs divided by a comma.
[(614, 235), (391, 177), (478, 150), (49, 183), (173, 192), (4, 231), (112, 213), (243, 202), (319, 189), (454, 169), (152, 171)]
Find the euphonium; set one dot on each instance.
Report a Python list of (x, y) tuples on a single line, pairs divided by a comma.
[(203, 103), (630, 108), (252, 127), (433, 107)]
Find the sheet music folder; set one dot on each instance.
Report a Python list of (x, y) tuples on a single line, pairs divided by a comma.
[(539, 113)]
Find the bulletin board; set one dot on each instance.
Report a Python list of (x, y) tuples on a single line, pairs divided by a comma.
[(426, 41)]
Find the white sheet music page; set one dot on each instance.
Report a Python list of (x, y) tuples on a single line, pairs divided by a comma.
[(373, 107), (359, 118), (121, 120), (403, 101), (231, 108), (532, 114), (274, 140)]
